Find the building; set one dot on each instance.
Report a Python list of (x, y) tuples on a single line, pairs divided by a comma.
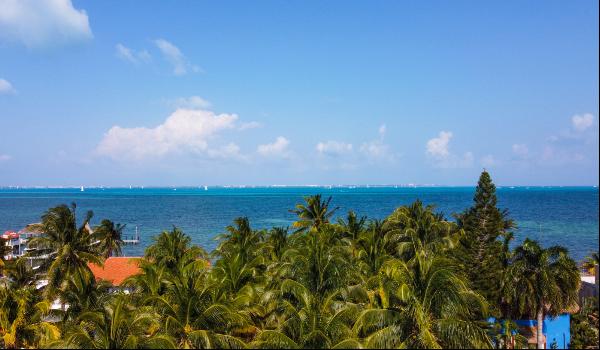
[(589, 285), (116, 270), (17, 241)]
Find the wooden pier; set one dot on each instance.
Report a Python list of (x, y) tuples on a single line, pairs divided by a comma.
[(133, 240)]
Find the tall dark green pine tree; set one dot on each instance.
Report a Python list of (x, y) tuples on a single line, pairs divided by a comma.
[(482, 251)]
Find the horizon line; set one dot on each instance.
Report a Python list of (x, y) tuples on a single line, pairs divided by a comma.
[(409, 185)]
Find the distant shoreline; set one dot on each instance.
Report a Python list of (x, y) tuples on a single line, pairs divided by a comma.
[(363, 186)]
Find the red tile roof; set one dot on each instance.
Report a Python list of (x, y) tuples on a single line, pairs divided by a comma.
[(116, 269)]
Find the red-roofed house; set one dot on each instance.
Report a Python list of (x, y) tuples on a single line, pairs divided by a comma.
[(116, 269)]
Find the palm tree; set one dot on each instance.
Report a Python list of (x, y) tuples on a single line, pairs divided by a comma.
[(314, 214), (277, 242), (4, 250), (507, 335), (311, 321), (240, 240), (242, 254), (118, 325), (64, 248), (172, 249), (352, 228), (312, 296), (82, 293), (191, 316), (22, 323), (421, 229), (541, 281), (109, 238), (373, 246), (151, 282), (232, 273), (426, 304), (20, 273), (591, 262)]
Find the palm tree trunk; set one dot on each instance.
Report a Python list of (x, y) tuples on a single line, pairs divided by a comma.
[(540, 327)]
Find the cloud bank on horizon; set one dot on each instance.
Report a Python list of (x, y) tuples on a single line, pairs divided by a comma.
[(155, 133)]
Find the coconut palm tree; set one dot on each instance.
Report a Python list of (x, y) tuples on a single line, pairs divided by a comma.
[(233, 274), (22, 318), (591, 262), (20, 273), (118, 325), (313, 214), (109, 238), (4, 250), (190, 314), (373, 247), (421, 229), (507, 336), (172, 249), (64, 248), (240, 240), (82, 293), (541, 281), (311, 321), (352, 227), (313, 307), (277, 242), (425, 304), (152, 281)]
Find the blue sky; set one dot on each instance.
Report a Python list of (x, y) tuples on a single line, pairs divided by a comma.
[(296, 92)]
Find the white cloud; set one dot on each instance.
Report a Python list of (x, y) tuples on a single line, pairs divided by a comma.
[(374, 149), (192, 102), (229, 151), (377, 149), (438, 149), (127, 54), (489, 161), (520, 150), (43, 23), (6, 87), (582, 122), (334, 148), (438, 146), (185, 130), (5, 157), (466, 161), (172, 54), (279, 148), (250, 125)]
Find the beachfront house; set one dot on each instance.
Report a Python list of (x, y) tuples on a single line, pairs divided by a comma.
[(17, 242)]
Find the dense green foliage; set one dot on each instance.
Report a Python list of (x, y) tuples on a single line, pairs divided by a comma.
[(481, 251), (411, 280), (584, 326)]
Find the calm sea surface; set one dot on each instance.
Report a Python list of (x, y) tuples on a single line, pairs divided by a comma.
[(553, 215)]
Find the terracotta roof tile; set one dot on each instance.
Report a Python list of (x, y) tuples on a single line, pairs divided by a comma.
[(116, 269)]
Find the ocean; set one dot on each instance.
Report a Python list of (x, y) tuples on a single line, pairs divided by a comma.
[(566, 216)]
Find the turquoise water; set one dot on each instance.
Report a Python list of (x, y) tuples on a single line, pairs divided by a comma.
[(553, 215)]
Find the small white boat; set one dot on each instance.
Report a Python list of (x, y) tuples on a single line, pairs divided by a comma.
[(206, 188), (82, 189)]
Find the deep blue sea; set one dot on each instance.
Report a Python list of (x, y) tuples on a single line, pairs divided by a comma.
[(566, 216)]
